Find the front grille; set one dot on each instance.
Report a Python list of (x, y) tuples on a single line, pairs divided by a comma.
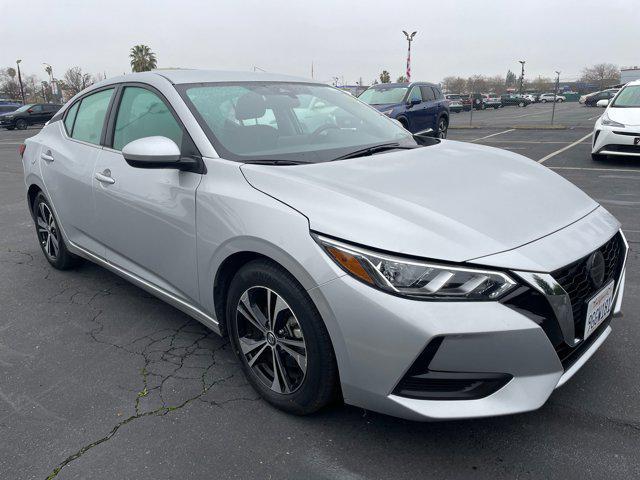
[(622, 148), (576, 281)]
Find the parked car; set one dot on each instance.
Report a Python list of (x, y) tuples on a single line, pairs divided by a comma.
[(594, 98), (617, 131), (418, 106), (466, 101), (455, 102), (491, 100), (530, 97), (8, 107), (351, 261), (514, 99), (549, 97), (31, 114)]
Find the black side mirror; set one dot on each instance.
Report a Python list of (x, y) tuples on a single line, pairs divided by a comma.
[(412, 102)]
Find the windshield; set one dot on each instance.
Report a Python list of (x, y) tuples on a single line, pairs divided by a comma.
[(628, 97), (24, 108), (381, 96), (298, 122)]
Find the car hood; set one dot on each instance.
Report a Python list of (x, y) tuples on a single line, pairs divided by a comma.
[(451, 201), (627, 116), (385, 106)]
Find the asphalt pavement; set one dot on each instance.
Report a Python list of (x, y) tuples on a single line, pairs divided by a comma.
[(100, 380)]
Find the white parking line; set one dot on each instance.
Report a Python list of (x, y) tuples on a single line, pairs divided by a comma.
[(593, 118), (553, 154), (493, 135), (597, 169)]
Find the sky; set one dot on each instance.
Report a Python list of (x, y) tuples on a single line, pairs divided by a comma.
[(349, 39)]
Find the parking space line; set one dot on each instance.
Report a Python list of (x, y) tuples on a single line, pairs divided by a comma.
[(493, 135), (593, 118), (594, 169), (563, 149)]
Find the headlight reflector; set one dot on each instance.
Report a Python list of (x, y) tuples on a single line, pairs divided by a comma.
[(605, 120), (417, 279)]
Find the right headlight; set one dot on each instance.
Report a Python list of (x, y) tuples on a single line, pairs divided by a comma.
[(414, 278), (605, 120)]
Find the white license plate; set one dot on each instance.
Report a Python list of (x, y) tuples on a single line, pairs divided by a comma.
[(598, 308)]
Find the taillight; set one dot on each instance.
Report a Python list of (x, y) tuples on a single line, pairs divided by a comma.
[(21, 149)]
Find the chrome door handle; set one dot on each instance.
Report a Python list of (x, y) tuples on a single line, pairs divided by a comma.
[(105, 177), (46, 156)]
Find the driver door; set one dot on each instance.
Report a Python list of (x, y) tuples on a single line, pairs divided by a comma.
[(147, 216)]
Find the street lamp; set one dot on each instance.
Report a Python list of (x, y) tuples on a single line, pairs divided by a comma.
[(522, 62), (409, 40), (555, 94), (20, 81)]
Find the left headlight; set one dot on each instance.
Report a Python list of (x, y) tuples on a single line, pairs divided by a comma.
[(605, 120), (414, 278)]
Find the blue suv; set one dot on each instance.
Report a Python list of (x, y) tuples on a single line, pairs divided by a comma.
[(417, 105)]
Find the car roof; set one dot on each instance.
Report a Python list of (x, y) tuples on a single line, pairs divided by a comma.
[(402, 84), (181, 76)]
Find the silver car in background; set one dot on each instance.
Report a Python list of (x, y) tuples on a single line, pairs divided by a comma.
[(344, 257)]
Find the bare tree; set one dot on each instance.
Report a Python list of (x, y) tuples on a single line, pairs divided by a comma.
[(75, 80), (454, 84), (602, 74), (495, 84), (540, 84), (477, 84)]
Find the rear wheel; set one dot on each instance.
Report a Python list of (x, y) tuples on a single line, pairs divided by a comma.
[(280, 339), (50, 237), (443, 127), (21, 124)]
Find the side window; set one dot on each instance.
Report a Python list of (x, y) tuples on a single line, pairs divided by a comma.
[(427, 93), (415, 95), (437, 93), (141, 114), (36, 109), (90, 117), (71, 117)]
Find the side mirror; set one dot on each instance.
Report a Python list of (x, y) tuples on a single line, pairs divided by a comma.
[(603, 103), (412, 102), (156, 152), (29, 111)]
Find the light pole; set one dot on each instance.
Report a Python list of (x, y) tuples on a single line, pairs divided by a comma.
[(409, 40), (20, 81), (555, 94), (522, 62)]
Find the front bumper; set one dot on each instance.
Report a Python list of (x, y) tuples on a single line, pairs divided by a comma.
[(385, 337), (620, 141)]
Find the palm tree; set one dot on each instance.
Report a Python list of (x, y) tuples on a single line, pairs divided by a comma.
[(142, 58)]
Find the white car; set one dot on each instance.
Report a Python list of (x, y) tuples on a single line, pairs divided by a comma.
[(617, 131), (548, 97)]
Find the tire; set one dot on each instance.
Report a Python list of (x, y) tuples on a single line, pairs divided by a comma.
[(560, 100), (598, 157), (544, 100), (21, 124), (49, 236), (521, 104), (292, 389), (443, 127)]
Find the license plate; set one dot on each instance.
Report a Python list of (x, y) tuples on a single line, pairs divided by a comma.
[(598, 308)]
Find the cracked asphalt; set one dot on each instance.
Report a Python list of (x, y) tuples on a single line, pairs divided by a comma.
[(100, 380)]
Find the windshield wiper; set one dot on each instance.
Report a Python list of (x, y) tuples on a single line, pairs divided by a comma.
[(267, 161), (371, 150)]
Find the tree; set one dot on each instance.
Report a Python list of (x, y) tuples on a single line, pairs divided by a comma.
[(510, 80), (476, 84), (11, 72), (385, 77), (541, 84), (142, 58), (75, 80), (402, 79), (495, 84), (9, 87), (602, 74), (454, 84)]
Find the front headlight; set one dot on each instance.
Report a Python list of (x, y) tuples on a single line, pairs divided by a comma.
[(605, 120), (417, 279)]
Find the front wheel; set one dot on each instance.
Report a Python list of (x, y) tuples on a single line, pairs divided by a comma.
[(280, 339), (21, 124), (560, 100), (443, 127)]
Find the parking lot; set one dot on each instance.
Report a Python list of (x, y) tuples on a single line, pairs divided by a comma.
[(103, 381)]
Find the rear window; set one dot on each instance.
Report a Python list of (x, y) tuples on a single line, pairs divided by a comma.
[(90, 117), (71, 117)]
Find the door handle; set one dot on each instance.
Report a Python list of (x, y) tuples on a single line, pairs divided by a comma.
[(105, 177), (46, 156)]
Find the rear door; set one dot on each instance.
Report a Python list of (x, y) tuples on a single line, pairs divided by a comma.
[(67, 160), (36, 115), (431, 107), (147, 216)]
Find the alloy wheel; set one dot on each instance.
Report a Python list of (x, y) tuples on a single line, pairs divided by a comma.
[(271, 340), (48, 233), (442, 128)]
